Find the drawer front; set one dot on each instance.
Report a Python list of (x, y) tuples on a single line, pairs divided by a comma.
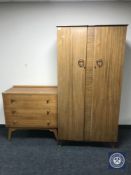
[(34, 111), (32, 123), (30, 101), (30, 113)]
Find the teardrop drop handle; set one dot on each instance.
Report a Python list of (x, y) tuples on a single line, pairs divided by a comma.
[(99, 63), (81, 63)]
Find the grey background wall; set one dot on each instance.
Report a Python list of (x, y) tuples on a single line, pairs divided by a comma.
[(28, 42)]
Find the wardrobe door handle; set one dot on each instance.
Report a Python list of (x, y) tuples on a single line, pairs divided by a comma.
[(81, 63), (99, 63)]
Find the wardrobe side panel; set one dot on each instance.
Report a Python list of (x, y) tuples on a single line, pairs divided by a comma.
[(109, 46)]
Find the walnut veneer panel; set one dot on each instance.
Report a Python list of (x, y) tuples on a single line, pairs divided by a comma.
[(31, 107), (90, 61), (107, 55), (71, 82)]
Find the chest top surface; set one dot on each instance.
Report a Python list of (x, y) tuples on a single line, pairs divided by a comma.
[(32, 90)]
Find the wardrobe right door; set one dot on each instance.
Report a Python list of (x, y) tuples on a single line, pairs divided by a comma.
[(105, 53)]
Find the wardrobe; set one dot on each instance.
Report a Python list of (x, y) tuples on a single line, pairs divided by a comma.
[(90, 62)]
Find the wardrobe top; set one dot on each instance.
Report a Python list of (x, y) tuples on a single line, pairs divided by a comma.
[(105, 25)]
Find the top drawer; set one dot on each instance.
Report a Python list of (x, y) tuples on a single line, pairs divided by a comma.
[(30, 101)]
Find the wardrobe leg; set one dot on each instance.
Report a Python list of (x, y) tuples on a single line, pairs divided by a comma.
[(114, 144), (59, 142)]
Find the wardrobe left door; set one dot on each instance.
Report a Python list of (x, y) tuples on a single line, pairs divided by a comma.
[(71, 82)]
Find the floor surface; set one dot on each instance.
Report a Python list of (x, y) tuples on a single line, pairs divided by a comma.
[(37, 153)]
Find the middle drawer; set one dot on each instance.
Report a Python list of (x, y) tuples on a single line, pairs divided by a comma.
[(18, 112)]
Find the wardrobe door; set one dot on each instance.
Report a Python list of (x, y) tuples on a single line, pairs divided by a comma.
[(71, 82), (103, 84)]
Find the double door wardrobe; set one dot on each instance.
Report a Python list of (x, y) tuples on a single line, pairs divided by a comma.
[(90, 62), (86, 104)]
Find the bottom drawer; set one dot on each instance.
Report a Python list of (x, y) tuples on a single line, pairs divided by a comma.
[(34, 123)]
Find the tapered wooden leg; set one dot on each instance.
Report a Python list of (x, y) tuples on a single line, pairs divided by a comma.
[(9, 133), (60, 142), (10, 130), (55, 133)]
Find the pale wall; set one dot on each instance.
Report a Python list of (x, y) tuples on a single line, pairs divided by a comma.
[(28, 42)]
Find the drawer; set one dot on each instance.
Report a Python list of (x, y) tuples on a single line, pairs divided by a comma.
[(49, 122), (20, 113), (30, 101)]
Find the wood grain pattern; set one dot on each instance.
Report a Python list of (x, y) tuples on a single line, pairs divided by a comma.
[(89, 82), (32, 90), (49, 122), (71, 84), (21, 112), (109, 46), (64, 83), (79, 39), (94, 93), (25, 101)]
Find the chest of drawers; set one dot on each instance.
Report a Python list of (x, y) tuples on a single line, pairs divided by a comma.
[(30, 107)]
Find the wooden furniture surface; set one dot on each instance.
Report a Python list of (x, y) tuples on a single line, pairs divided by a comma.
[(90, 61), (68, 78), (31, 107)]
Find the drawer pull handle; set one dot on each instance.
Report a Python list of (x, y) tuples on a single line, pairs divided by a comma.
[(48, 112), (48, 123), (13, 112), (14, 123), (47, 101), (12, 100)]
